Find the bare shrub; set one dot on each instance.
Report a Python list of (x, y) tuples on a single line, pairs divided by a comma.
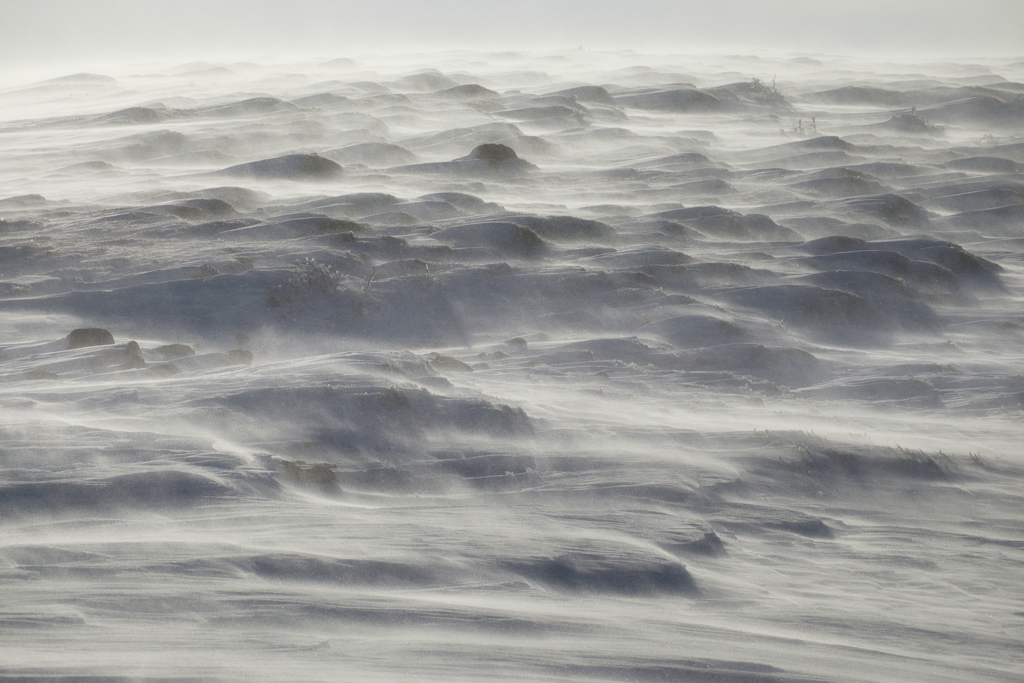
[(310, 276)]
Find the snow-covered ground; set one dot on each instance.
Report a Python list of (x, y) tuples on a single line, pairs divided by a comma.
[(562, 367)]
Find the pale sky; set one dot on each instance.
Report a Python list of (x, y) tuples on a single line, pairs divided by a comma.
[(39, 33)]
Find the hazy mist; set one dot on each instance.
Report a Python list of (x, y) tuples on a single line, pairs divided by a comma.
[(42, 33)]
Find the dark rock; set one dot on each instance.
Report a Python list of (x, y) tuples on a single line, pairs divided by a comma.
[(304, 473), (594, 94), (492, 151), (236, 357), (592, 573), (128, 357), (163, 370), (133, 363), (890, 208), (40, 373), (680, 100), (470, 91), (175, 350), (132, 115), (489, 159), (509, 238), (291, 166), (910, 123), (567, 228), (811, 528), (23, 201), (89, 336), (709, 545), (443, 363), (373, 154)]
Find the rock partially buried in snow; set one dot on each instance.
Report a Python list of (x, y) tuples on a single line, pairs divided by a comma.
[(890, 208), (495, 156), (41, 374), (688, 100), (128, 357), (447, 363), (506, 238), (470, 91), (492, 152), (174, 350), (567, 229), (89, 336), (373, 154), (488, 159), (786, 366), (724, 223), (289, 167), (305, 473), (163, 370), (584, 572), (235, 357)]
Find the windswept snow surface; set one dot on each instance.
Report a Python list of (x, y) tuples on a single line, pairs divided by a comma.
[(559, 367)]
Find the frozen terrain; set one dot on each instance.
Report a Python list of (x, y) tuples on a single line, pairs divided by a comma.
[(569, 366)]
